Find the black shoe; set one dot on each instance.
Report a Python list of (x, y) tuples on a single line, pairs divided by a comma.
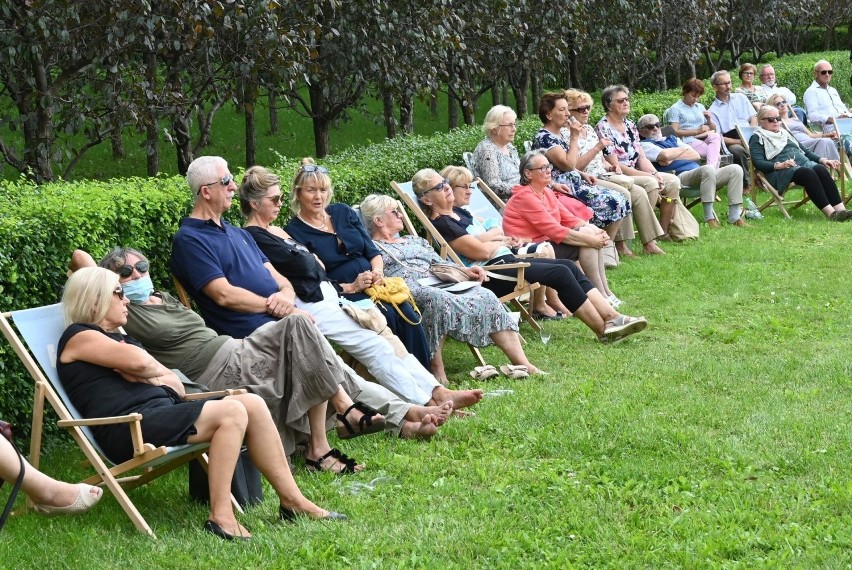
[(213, 528), (289, 515)]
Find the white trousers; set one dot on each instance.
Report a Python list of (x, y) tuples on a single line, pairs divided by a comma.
[(405, 377)]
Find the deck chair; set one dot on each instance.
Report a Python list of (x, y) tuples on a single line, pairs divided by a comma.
[(759, 180), (468, 161), (523, 289), (40, 329), (844, 127)]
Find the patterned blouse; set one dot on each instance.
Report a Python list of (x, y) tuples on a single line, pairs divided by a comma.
[(588, 140), (499, 171), (626, 147)]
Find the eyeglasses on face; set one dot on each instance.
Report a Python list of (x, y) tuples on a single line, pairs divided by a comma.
[(780, 104), (510, 125), (826, 71), (225, 181), (119, 292), (722, 83), (583, 109), (313, 168), (652, 126), (470, 186), (127, 270), (440, 186), (276, 200), (545, 168), (772, 119), (623, 100), (748, 73), (396, 212)]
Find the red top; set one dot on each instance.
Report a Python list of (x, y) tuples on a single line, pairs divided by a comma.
[(538, 217)]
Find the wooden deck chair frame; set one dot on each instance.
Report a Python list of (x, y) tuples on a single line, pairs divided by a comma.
[(149, 462), (759, 180), (844, 127), (522, 287)]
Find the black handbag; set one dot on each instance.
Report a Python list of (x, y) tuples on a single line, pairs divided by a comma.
[(6, 430), (245, 486)]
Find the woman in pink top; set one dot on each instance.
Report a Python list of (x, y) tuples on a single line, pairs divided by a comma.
[(534, 212)]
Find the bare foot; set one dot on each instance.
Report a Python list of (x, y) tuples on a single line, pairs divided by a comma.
[(423, 429), (624, 251), (440, 412), (459, 398), (651, 248)]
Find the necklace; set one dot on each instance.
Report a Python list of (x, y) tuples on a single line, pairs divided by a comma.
[(320, 227)]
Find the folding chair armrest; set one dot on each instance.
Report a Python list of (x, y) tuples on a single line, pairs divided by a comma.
[(534, 255), (506, 266), (217, 394), (101, 421)]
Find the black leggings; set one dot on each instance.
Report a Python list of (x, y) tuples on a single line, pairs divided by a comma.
[(819, 185), (561, 274)]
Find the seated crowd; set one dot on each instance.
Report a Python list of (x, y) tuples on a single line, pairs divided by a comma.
[(272, 297)]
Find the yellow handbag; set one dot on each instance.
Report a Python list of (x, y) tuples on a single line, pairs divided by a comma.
[(393, 290)]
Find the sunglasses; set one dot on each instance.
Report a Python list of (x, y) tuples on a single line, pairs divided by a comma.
[(439, 186), (313, 168), (120, 292), (226, 181), (583, 109), (396, 212), (623, 100), (826, 71), (276, 200), (772, 119), (652, 126), (127, 270), (780, 104)]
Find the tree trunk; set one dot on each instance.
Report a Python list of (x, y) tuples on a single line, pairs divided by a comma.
[(452, 112), (249, 105), (433, 103), (182, 140), (406, 113), (116, 141), (320, 120), (152, 141), (390, 120), (520, 87), (536, 88), (495, 94), (504, 91), (272, 97)]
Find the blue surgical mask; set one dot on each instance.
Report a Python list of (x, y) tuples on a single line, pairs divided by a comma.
[(138, 290)]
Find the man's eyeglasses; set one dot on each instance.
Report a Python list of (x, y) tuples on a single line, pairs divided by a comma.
[(772, 119), (826, 71), (226, 181), (544, 168), (127, 270), (119, 292), (780, 104), (444, 183), (652, 126), (510, 125), (721, 83), (276, 200), (583, 109), (313, 168)]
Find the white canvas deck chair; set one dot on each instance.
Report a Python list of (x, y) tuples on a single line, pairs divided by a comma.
[(523, 289), (759, 180), (41, 329)]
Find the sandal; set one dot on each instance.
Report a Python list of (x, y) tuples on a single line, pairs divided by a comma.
[(366, 424), (347, 462), (542, 317), (515, 371), (621, 327), (484, 372)]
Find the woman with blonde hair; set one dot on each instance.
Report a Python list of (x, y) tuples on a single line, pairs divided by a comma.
[(496, 159), (822, 144), (107, 373), (587, 155)]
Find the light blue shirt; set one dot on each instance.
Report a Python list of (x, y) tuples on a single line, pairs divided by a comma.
[(738, 109)]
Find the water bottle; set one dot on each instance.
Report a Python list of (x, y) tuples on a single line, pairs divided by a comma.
[(752, 213)]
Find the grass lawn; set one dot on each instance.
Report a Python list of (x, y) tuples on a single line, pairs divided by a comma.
[(720, 437)]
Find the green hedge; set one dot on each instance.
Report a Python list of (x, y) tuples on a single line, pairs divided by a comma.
[(41, 225)]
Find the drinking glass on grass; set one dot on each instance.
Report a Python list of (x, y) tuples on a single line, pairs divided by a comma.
[(546, 331)]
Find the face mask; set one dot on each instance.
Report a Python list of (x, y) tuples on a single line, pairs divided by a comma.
[(139, 290)]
